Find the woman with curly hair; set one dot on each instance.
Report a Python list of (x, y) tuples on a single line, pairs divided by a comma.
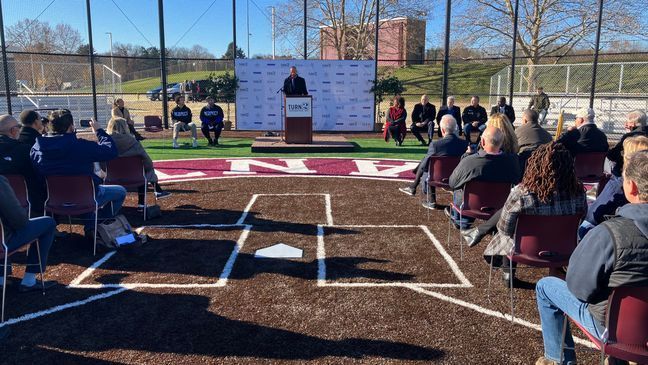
[(549, 187)]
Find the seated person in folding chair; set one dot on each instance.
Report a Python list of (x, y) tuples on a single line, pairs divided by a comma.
[(474, 118), (423, 120), (211, 116), (489, 164), (451, 109), (128, 145), (584, 136), (549, 187), (62, 153), (181, 118), (612, 196), (636, 125), (449, 145), (530, 135), (19, 230), (14, 160), (395, 126), (613, 254)]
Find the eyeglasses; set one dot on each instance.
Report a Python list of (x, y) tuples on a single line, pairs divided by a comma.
[(14, 127)]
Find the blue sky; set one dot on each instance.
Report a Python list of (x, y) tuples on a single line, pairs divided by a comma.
[(213, 31)]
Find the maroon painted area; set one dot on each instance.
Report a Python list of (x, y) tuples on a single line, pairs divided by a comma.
[(231, 167)]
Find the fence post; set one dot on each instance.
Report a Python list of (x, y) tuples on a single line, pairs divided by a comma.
[(567, 80), (521, 77), (515, 31), (596, 53), (446, 51), (5, 64), (621, 78), (163, 71), (377, 26), (92, 67), (499, 83), (305, 30)]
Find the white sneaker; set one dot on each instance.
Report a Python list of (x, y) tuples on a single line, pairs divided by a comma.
[(175, 143), (195, 143)]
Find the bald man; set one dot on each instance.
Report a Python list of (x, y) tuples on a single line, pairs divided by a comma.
[(489, 164), (294, 84)]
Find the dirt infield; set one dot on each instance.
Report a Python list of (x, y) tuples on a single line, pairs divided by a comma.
[(376, 284)]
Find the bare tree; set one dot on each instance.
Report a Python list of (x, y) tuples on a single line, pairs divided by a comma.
[(546, 27), (347, 25)]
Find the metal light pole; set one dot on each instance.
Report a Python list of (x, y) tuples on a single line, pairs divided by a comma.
[(248, 27), (273, 32), (112, 62), (513, 51), (596, 53), (446, 51)]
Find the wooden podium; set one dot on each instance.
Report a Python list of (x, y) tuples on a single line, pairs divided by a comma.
[(298, 124)]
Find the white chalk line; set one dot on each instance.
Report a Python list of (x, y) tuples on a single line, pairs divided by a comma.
[(58, 308), (227, 270), (201, 225), (87, 272), (451, 262), (489, 312), (327, 203), (321, 257), (147, 285), (321, 261)]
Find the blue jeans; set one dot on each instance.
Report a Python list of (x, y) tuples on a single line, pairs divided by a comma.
[(468, 128), (554, 300), (41, 228), (465, 222), (111, 197)]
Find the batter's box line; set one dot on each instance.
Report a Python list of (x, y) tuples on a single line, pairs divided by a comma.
[(222, 279), (321, 262), (327, 204)]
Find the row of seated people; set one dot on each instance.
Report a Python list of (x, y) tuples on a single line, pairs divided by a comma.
[(546, 184), (474, 116), (27, 149)]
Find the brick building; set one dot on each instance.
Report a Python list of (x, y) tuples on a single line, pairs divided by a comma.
[(401, 42)]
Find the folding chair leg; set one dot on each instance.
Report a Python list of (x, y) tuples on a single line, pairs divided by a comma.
[(94, 250), (427, 200), (40, 265), (449, 228), (460, 238), (4, 285), (490, 276), (145, 204), (511, 284), (69, 222)]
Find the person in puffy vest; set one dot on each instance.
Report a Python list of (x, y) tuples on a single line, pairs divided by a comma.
[(611, 255)]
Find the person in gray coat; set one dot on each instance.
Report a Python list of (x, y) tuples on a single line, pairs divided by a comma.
[(127, 145)]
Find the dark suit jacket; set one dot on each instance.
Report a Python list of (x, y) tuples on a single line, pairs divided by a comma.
[(481, 166), (587, 138), (423, 114), (615, 154), (455, 112), (508, 111), (450, 145), (299, 89)]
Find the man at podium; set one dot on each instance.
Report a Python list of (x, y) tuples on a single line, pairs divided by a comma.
[(294, 85)]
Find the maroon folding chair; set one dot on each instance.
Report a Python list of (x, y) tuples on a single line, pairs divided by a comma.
[(541, 241), (589, 166), (626, 337), (481, 199), (70, 196), (19, 186), (4, 251), (439, 170), (152, 123), (127, 172)]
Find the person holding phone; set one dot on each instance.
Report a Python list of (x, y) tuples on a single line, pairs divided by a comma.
[(62, 153)]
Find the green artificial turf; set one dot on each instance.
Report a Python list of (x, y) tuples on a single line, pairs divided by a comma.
[(240, 147)]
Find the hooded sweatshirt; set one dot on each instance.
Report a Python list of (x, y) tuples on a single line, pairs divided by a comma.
[(612, 254), (65, 154)]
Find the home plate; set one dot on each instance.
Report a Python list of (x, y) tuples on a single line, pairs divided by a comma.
[(279, 251)]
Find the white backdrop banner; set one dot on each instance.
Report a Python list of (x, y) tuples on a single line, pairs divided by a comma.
[(342, 100)]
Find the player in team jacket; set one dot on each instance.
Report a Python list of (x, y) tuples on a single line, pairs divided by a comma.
[(181, 117), (211, 117)]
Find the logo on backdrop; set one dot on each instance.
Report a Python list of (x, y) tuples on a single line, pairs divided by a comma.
[(343, 85)]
